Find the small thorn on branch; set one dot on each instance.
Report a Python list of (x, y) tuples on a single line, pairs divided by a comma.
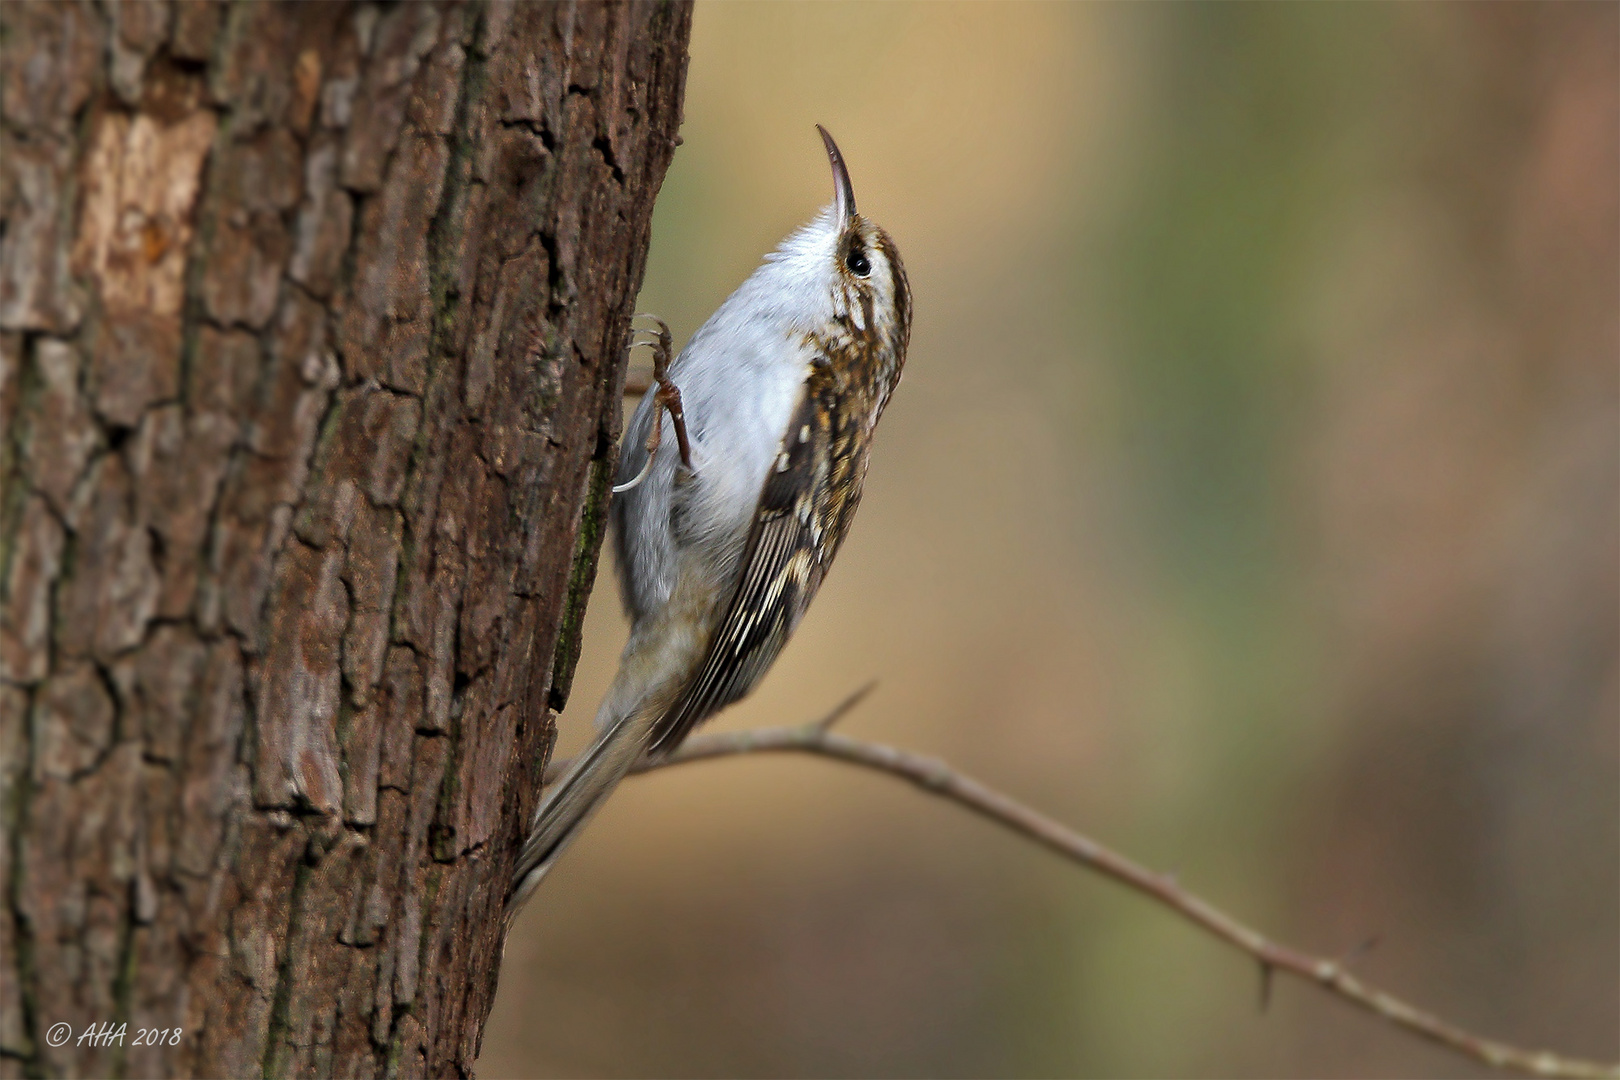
[(1359, 950), (842, 709)]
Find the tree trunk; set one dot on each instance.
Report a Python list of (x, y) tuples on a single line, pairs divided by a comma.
[(313, 322)]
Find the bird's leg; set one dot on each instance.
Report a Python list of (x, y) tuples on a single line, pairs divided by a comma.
[(668, 397)]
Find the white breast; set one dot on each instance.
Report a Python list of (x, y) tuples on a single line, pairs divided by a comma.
[(739, 378)]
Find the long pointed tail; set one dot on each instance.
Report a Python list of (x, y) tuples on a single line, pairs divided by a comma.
[(577, 796)]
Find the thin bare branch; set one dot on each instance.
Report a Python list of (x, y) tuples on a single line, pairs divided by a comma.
[(555, 769), (938, 778)]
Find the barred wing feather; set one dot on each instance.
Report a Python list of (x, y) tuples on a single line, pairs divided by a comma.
[(788, 549)]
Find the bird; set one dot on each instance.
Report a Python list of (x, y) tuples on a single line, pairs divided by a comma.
[(721, 547)]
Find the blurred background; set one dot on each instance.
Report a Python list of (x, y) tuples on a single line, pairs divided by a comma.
[(1251, 503)]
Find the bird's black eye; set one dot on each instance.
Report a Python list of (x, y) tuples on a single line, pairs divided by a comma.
[(857, 262)]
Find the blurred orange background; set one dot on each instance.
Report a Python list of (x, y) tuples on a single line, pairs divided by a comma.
[(1251, 503)]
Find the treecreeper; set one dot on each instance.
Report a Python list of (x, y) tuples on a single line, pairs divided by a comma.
[(723, 543)]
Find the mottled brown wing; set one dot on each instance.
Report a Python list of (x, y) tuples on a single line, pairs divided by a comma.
[(789, 547)]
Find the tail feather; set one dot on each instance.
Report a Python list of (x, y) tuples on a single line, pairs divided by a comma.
[(652, 675), (575, 798)]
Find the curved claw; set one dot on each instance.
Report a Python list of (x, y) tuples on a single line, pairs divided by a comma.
[(639, 477)]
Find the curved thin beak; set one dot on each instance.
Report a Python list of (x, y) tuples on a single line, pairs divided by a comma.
[(842, 188)]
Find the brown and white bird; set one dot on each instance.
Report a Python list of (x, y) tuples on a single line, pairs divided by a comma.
[(722, 547)]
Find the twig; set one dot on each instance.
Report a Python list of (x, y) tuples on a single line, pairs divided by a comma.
[(555, 769), (938, 778)]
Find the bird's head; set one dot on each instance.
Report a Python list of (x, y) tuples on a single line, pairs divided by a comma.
[(866, 266), (843, 270)]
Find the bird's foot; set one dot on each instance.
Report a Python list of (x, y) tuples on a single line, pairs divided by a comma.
[(668, 397)]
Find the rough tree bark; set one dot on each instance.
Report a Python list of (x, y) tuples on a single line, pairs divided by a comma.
[(313, 322)]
